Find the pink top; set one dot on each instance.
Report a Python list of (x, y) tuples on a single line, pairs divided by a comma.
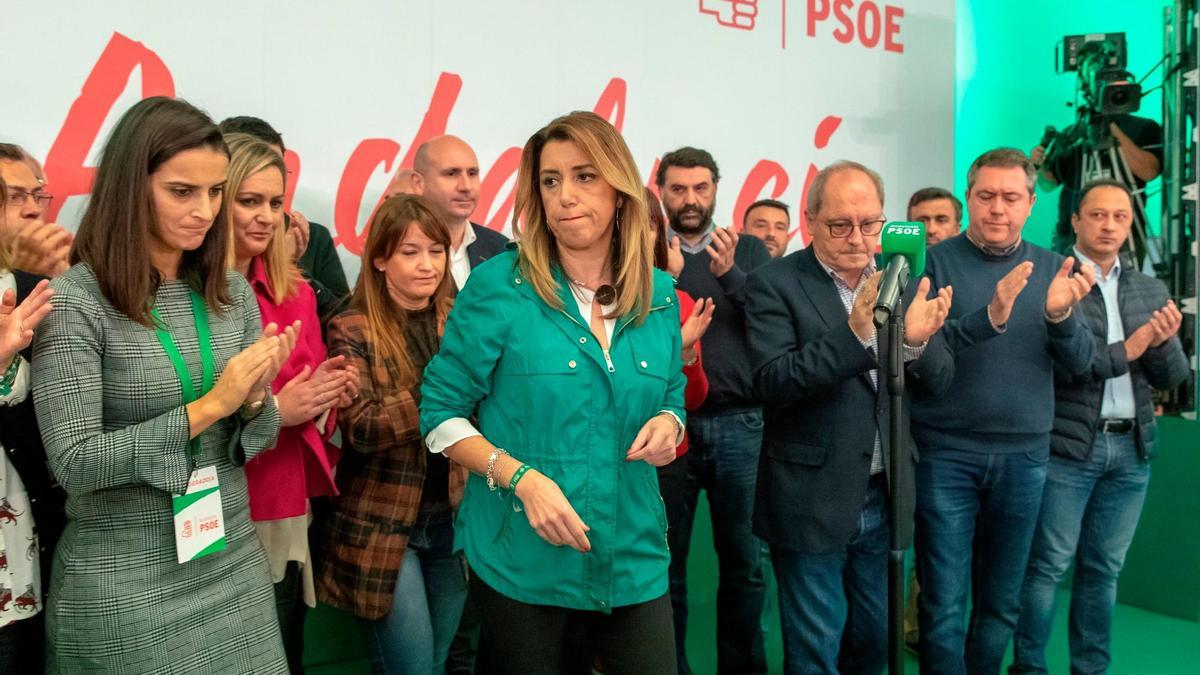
[(301, 464)]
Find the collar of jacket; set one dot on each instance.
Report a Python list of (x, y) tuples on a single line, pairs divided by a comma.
[(568, 318)]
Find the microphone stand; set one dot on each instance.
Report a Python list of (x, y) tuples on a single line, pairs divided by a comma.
[(897, 466), (899, 469)]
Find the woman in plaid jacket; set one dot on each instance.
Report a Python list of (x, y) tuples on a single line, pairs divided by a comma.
[(388, 555)]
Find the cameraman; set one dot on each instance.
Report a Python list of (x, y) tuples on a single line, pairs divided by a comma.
[(1139, 142)]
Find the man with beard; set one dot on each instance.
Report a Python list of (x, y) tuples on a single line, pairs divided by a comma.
[(725, 434), (446, 175), (770, 221)]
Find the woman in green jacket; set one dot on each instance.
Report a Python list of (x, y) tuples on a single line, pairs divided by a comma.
[(567, 351)]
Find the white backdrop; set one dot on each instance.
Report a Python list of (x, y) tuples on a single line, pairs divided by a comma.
[(772, 88)]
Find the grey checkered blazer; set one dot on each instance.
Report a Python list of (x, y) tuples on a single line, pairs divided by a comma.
[(116, 434)]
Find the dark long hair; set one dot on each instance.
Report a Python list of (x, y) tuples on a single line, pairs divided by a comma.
[(113, 235)]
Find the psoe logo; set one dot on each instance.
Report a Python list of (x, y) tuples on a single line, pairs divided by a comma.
[(904, 229), (740, 14)]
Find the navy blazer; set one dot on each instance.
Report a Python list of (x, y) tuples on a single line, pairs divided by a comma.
[(487, 243), (821, 411)]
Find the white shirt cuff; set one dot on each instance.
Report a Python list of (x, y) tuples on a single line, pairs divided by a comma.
[(450, 432), (678, 424)]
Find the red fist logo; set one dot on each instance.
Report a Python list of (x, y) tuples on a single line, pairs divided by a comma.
[(738, 14)]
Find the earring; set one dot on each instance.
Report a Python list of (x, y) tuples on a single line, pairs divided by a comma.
[(617, 220)]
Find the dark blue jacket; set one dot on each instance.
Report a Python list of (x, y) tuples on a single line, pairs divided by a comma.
[(1078, 398), (821, 412)]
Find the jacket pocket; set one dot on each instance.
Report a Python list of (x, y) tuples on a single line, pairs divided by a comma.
[(551, 360), (348, 530), (797, 453)]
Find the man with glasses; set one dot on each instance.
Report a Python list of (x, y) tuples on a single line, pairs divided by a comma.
[(822, 478), (725, 434), (984, 444), (35, 246)]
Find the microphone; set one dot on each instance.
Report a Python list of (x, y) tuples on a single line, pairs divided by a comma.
[(903, 246)]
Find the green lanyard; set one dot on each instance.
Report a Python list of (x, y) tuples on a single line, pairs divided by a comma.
[(207, 363)]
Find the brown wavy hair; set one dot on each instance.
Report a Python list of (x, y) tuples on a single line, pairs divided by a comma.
[(385, 320)]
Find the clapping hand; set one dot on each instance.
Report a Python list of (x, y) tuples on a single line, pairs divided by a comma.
[(926, 315), (18, 321)]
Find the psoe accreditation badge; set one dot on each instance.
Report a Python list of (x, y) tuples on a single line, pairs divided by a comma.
[(199, 523)]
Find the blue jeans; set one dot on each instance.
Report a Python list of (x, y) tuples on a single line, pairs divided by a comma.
[(1090, 511), (431, 588), (976, 514), (723, 459), (834, 606)]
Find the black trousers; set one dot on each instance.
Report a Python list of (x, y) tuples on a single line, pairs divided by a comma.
[(528, 639), (289, 605), (23, 645)]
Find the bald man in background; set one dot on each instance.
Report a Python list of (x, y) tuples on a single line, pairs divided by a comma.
[(446, 175), (401, 184)]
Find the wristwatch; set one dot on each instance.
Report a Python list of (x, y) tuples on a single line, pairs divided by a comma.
[(251, 409)]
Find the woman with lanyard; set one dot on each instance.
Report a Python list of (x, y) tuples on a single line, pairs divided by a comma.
[(151, 388), (307, 388), (568, 348), (389, 545), (24, 527)]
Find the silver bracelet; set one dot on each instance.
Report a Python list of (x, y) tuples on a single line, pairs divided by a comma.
[(491, 468)]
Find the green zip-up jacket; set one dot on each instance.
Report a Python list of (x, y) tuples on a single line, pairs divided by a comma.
[(544, 392)]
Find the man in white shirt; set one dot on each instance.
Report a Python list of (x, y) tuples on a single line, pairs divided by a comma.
[(1102, 441), (446, 175)]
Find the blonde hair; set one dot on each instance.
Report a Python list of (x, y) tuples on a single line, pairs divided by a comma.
[(633, 236), (385, 320), (249, 156)]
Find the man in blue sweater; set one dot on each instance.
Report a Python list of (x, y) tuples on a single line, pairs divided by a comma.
[(1102, 442), (984, 444)]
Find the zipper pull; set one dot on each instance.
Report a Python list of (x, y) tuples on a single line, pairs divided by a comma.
[(608, 360)]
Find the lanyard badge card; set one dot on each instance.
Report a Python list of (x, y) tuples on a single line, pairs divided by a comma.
[(199, 520)]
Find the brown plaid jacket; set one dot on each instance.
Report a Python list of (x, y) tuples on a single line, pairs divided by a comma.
[(379, 477)]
